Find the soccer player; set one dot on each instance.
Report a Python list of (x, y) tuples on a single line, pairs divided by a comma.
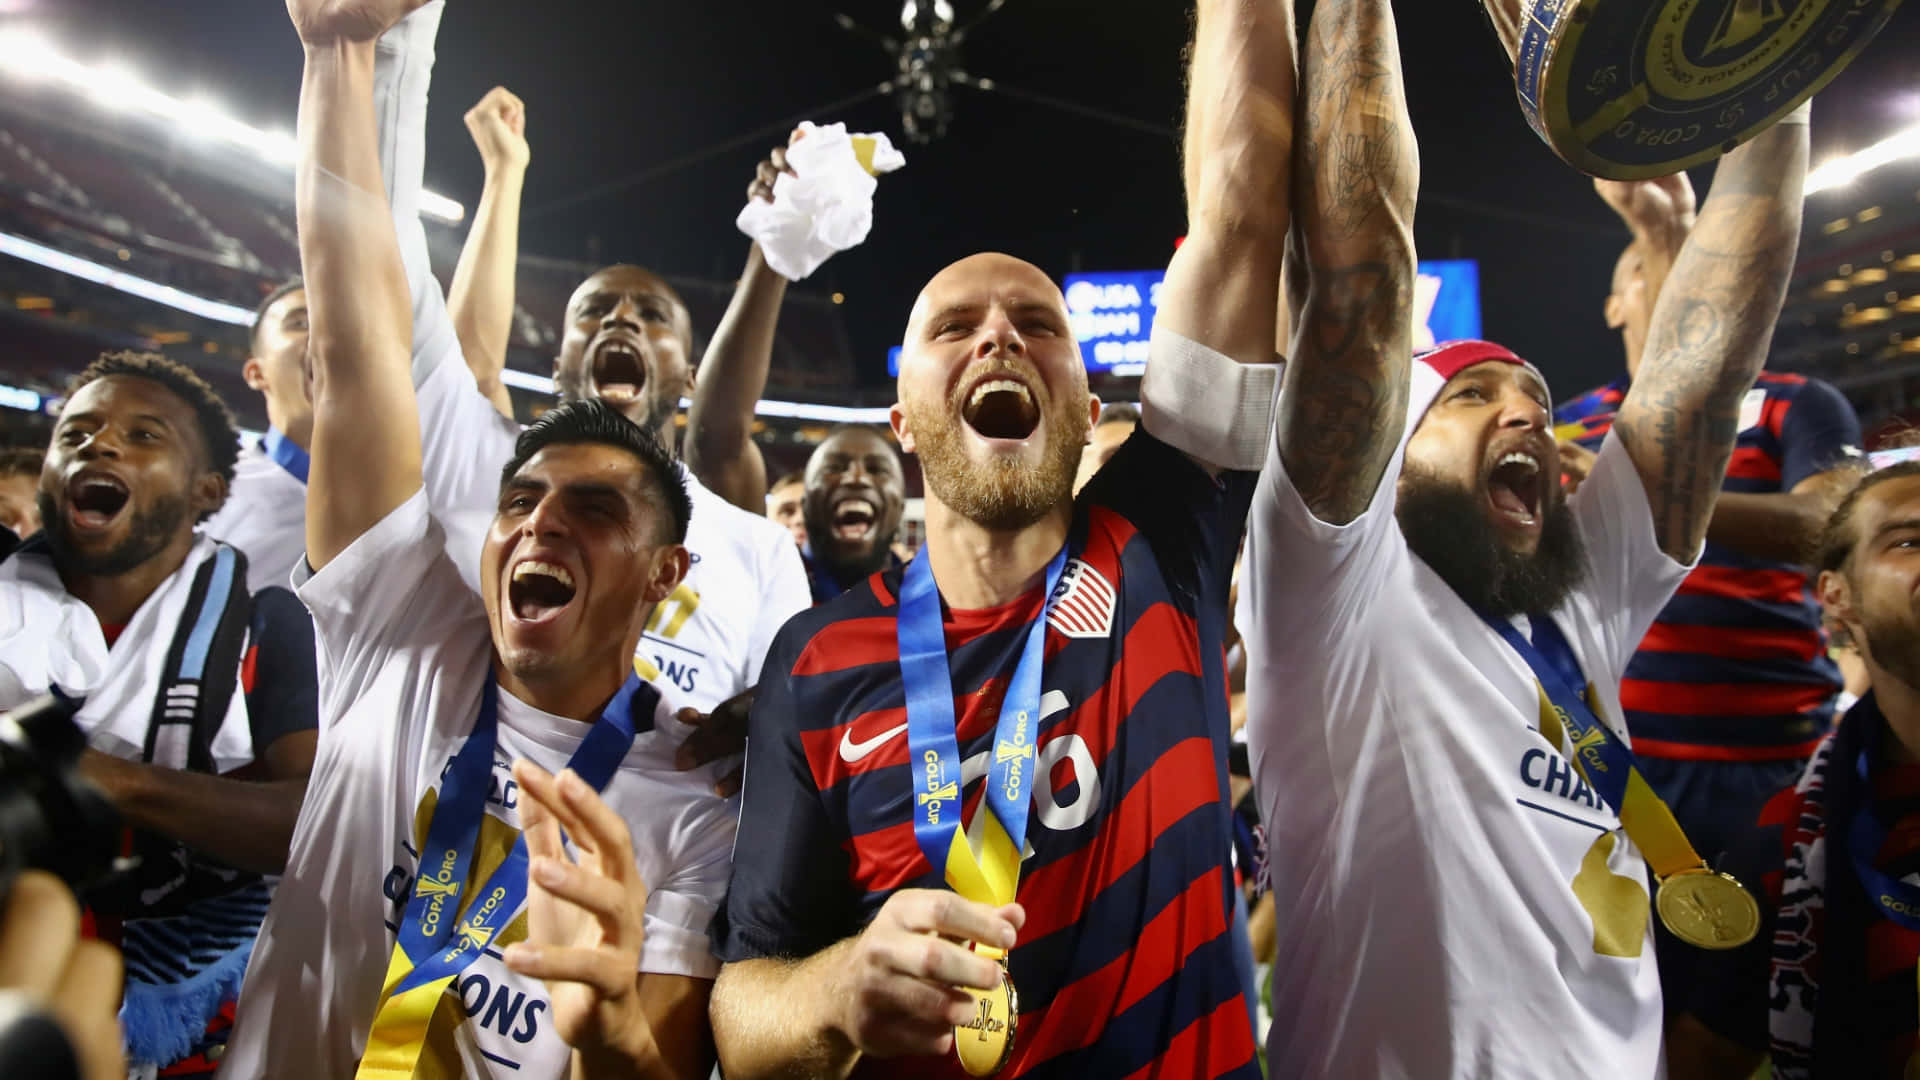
[(1827, 986), (856, 492), (265, 514), (1455, 897), (784, 500), (626, 343), (1064, 690), (199, 693), (1732, 687), (399, 945), (19, 479)]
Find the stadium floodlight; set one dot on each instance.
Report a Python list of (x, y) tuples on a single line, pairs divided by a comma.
[(72, 265), (25, 53), (1842, 171)]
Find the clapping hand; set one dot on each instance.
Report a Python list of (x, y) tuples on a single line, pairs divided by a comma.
[(584, 915)]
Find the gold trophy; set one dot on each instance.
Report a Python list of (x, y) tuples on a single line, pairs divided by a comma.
[(1629, 89)]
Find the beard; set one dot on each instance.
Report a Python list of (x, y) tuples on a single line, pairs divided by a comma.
[(1003, 495), (1448, 528), (1895, 647), (149, 530), (652, 410), (842, 565)]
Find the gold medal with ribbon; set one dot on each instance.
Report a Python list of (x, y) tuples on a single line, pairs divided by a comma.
[(984, 1043), (1700, 906)]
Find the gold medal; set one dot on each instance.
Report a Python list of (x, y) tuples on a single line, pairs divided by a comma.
[(984, 1043), (1707, 909)]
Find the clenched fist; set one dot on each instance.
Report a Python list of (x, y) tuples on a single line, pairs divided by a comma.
[(498, 125), (1650, 206)]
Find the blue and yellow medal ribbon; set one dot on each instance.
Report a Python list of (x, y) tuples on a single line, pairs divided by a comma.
[(1605, 762), (440, 936), (934, 750)]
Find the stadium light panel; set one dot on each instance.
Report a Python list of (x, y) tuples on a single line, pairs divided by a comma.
[(1841, 171), (72, 265), (116, 87)]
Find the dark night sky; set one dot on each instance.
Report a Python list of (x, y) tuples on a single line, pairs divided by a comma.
[(614, 89)]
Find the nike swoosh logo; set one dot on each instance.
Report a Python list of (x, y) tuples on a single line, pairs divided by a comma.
[(851, 751)]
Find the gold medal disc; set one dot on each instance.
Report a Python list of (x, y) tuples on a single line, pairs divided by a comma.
[(1708, 910), (984, 1043)]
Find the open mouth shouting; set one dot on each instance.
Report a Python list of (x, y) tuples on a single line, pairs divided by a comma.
[(539, 591), (95, 500), (619, 371), (1001, 408), (1515, 489), (854, 519)]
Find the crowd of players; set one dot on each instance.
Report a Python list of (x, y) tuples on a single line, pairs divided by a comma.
[(429, 728)]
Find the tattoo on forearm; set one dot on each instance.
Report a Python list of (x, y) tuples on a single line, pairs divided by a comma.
[(1711, 328)]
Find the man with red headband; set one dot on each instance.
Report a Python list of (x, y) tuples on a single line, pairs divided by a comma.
[(1436, 637)]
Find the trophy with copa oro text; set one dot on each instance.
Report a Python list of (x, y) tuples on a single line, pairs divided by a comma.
[(1630, 89)]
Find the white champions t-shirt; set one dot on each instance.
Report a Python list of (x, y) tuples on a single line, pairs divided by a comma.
[(265, 516), (1452, 900), (404, 652), (706, 642)]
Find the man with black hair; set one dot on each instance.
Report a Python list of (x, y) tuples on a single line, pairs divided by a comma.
[(432, 921), (1827, 986), (1436, 634), (856, 492), (199, 692), (265, 513), (627, 342)]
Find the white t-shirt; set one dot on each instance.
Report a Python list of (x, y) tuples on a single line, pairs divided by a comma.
[(1447, 889), (404, 652), (265, 516), (706, 642)]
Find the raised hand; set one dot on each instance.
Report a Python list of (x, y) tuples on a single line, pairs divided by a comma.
[(1647, 206), (325, 22), (584, 913), (498, 125), (719, 734), (899, 984), (1576, 462), (765, 173)]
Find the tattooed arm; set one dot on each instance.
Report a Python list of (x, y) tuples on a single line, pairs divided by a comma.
[(1344, 402), (1709, 333)]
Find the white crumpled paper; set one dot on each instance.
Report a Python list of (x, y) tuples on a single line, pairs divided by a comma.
[(826, 206)]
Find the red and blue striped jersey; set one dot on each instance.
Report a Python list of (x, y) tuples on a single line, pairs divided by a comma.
[(1736, 666), (1124, 966)]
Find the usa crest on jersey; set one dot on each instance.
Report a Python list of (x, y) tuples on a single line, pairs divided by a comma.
[(1083, 602)]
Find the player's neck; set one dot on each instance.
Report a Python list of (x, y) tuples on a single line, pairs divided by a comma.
[(297, 430), (574, 695), (115, 597), (978, 567), (1900, 703)]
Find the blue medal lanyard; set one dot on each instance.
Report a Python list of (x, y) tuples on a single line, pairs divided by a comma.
[(428, 923), (932, 743), (285, 453), (1866, 835)]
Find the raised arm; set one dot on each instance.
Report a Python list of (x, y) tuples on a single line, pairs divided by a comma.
[(1709, 333), (733, 373), (481, 300), (1222, 288), (1344, 403), (1659, 214), (366, 434), (731, 378)]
